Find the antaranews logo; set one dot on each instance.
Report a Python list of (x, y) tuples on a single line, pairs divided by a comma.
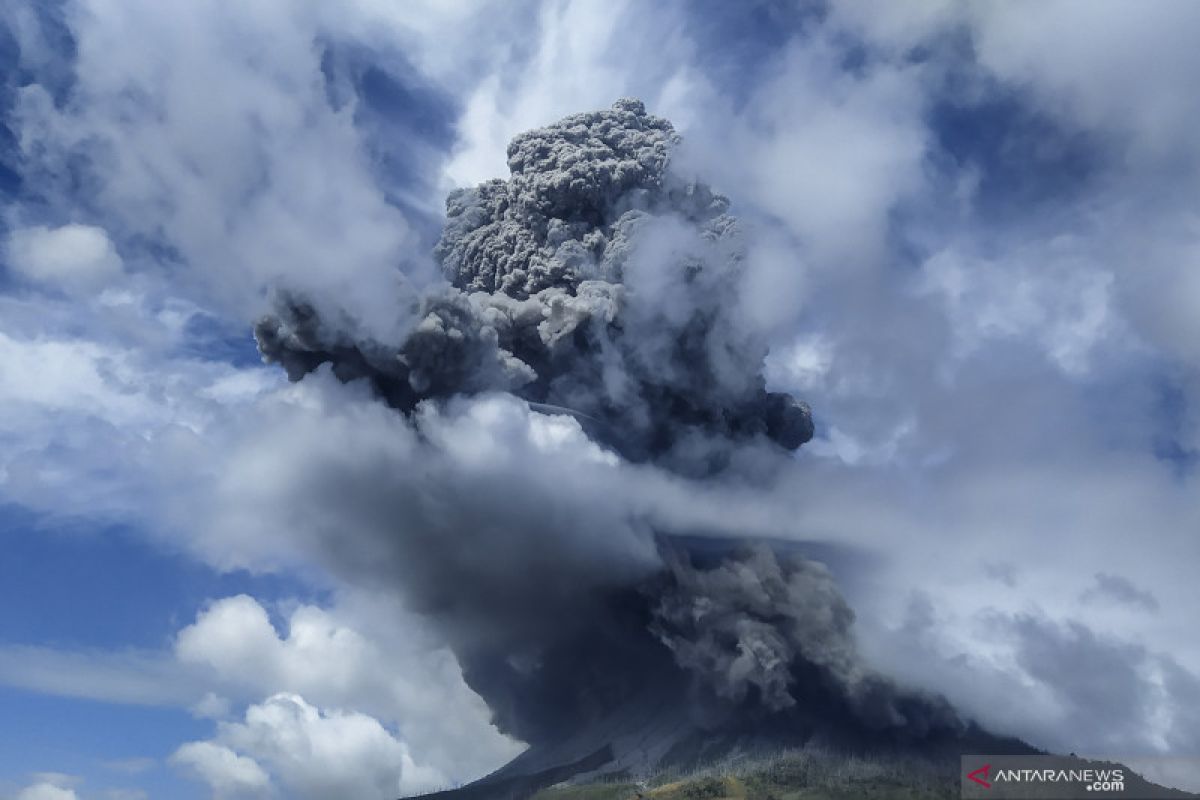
[(980, 776), (999, 777)]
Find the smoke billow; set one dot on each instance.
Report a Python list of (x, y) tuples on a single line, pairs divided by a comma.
[(741, 625), (595, 282)]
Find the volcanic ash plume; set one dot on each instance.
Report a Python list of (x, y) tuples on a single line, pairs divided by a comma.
[(740, 626), (595, 282)]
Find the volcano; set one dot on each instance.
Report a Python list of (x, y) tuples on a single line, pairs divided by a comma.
[(633, 710)]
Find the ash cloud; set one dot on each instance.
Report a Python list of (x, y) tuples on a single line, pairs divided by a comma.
[(600, 288), (767, 629), (740, 626), (594, 280)]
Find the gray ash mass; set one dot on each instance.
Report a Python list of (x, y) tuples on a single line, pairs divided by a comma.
[(594, 280), (758, 658), (577, 192), (761, 634), (740, 626)]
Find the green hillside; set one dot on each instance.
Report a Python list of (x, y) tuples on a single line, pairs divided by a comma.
[(799, 776)]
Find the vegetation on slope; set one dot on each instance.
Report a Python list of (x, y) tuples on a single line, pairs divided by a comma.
[(802, 775)]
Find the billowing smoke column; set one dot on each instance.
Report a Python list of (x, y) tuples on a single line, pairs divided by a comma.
[(598, 283), (550, 299), (740, 626)]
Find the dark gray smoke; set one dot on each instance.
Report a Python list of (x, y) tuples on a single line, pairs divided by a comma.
[(740, 626), (595, 282)]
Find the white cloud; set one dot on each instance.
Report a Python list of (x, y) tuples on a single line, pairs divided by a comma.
[(50, 786), (238, 167), (211, 706), (584, 54), (73, 257), (137, 678), (74, 376), (835, 152), (1058, 299), (398, 674), (801, 365), (230, 775), (1114, 69), (1114, 80), (453, 42), (1118, 67), (86, 420), (318, 755), (367, 658)]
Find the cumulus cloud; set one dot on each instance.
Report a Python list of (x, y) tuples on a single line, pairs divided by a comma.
[(230, 775), (318, 755), (71, 257), (364, 658), (50, 786), (321, 656)]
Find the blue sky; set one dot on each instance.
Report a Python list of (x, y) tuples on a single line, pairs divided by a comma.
[(977, 246)]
